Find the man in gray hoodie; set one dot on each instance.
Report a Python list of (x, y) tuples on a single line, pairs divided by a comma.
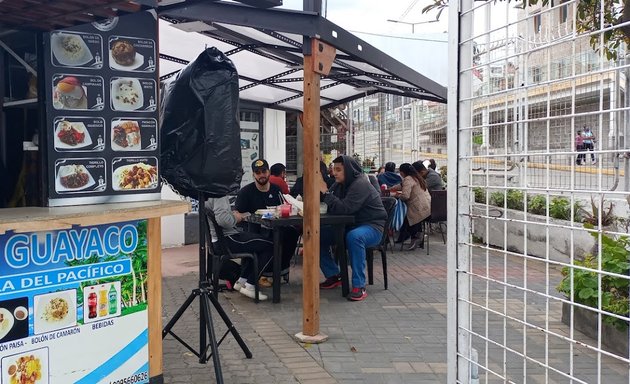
[(352, 194), (239, 241)]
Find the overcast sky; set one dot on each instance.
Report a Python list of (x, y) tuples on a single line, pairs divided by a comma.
[(372, 15), (368, 20)]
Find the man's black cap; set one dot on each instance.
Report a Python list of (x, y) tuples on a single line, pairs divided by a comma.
[(260, 164)]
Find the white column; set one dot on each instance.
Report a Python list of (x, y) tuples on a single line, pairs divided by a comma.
[(275, 136)]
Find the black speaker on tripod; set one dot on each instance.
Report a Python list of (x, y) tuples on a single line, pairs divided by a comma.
[(201, 158)]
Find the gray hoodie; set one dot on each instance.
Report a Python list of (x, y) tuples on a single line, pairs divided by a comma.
[(223, 214), (356, 197)]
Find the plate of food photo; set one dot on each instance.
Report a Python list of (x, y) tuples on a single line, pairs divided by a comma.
[(71, 135), (126, 94), (123, 56), (70, 49), (69, 93), (55, 311), (73, 177), (135, 176), (6, 322), (126, 135), (30, 367)]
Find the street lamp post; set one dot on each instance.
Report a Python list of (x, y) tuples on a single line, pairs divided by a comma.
[(413, 25)]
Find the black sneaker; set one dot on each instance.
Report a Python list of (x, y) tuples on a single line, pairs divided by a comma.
[(331, 282), (357, 294)]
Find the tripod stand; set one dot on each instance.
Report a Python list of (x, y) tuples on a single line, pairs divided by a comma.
[(206, 294)]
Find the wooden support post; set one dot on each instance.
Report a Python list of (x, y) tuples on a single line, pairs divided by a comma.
[(317, 61), (154, 267)]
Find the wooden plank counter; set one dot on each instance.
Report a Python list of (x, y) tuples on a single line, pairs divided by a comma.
[(20, 228), (33, 219)]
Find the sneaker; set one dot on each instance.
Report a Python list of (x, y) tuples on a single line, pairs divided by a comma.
[(264, 282), (251, 293), (331, 282), (357, 294), (238, 285)]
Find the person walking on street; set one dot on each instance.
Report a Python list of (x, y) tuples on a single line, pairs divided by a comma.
[(579, 147), (589, 143)]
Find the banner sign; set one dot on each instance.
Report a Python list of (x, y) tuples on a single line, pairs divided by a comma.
[(73, 305)]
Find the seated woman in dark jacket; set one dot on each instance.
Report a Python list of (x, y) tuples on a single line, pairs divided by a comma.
[(298, 187)]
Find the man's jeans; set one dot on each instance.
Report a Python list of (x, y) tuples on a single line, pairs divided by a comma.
[(357, 240)]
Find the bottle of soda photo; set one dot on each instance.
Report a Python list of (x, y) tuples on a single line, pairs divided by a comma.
[(102, 301), (92, 303), (113, 300)]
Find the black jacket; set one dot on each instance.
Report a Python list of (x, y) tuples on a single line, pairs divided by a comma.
[(298, 187), (357, 197)]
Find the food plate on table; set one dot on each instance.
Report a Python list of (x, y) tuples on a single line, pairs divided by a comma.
[(265, 211), (70, 49), (55, 310), (73, 177), (72, 135), (135, 176), (126, 136), (30, 367), (127, 94), (6, 322)]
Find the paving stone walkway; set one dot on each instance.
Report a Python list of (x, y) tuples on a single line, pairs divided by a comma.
[(394, 336)]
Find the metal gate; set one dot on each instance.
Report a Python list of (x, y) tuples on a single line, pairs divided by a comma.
[(538, 252)]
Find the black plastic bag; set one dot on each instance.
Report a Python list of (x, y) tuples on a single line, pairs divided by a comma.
[(200, 134)]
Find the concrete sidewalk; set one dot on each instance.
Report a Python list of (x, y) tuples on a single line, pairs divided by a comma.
[(394, 336)]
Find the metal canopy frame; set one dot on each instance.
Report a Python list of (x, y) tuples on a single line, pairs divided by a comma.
[(359, 69)]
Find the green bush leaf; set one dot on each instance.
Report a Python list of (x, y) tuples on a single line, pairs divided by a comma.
[(586, 293)]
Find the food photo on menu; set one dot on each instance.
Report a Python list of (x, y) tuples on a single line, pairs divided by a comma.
[(80, 175), (131, 54), (77, 92), (133, 94), (76, 50), (54, 311), (13, 319), (126, 136), (30, 367), (129, 134), (79, 134), (134, 174)]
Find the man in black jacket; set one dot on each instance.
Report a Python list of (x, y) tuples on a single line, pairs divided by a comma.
[(351, 194)]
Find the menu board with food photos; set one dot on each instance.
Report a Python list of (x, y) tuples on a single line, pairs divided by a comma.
[(101, 115)]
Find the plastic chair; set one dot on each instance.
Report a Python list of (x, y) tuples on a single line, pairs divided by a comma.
[(438, 214), (390, 204), (220, 252)]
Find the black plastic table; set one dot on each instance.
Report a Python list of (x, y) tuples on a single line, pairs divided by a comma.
[(338, 222)]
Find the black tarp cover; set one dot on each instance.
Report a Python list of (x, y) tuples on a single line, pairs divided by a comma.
[(200, 134)]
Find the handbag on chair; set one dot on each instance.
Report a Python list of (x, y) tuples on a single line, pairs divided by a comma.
[(400, 212)]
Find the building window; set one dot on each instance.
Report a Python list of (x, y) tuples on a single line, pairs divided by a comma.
[(537, 22), (564, 13), (536, 74)]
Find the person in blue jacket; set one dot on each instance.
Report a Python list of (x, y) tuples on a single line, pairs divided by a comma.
[(389, 177)]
